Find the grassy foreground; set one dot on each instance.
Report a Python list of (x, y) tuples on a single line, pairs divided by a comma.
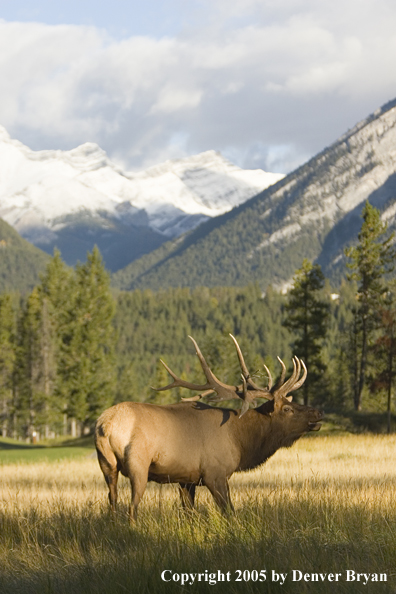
[(326, 505)]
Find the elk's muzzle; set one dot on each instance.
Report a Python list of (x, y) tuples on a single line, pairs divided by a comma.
[(316, 425)]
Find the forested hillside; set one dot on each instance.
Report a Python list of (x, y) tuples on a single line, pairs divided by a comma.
[(313, 213), (20, 261)]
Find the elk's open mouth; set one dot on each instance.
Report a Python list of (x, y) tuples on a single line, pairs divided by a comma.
[(314, 426)]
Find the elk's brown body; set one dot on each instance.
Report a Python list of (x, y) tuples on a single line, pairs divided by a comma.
[(192, 443)]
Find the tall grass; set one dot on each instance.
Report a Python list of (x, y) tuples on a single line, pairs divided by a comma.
[(326, 505)]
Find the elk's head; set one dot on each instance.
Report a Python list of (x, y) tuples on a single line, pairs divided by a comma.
[(292, 420)]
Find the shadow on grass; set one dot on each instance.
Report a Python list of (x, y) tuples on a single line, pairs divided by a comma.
[(218, 574), (88, 554)]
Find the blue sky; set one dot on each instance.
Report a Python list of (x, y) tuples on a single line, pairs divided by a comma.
[(121, 18), (268, 83)]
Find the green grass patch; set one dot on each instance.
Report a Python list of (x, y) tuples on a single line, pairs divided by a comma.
[(13, 451)]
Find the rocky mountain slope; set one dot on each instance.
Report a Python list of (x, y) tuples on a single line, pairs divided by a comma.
[(74, 199), (314, 212)]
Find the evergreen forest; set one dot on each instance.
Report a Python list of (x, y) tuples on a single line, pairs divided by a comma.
[(74, 346)]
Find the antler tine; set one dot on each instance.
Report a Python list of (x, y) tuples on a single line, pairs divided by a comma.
[(198, 396), (223, 391), (280, 381), (247, 398), (295, 375), (269, 377), (240, 357), (283, 374), (205, 367), (286, 387), (179, 383), (303, 377), (245, 371)]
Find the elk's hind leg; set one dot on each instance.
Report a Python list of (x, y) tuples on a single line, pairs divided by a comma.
[(138, 485), (187, 495), (137, 472), (109, 468)]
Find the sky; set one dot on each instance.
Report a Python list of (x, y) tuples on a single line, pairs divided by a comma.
[(268, 83)]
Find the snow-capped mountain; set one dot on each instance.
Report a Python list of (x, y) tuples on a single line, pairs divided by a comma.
[(314, 213), (47, 196)]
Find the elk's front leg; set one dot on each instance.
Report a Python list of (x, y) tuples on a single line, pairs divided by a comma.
[(220, 490)]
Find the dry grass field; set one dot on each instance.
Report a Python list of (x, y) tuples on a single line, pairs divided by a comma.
[(327, 505)]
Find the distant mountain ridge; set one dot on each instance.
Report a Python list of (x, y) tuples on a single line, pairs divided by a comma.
[(20, 262), (74, 199), (314, 212)]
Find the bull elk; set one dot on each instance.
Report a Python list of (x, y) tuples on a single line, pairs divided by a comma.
[(192, 443)]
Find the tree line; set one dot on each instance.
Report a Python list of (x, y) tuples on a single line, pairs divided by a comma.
[(73, 346), (366, 348), (57, 351)]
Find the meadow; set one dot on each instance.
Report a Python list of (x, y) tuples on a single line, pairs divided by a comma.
[(326, 505)]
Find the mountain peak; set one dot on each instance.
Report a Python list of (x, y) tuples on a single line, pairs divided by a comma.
[(87, 157), (45, 193), (4, 136), (313, 213)]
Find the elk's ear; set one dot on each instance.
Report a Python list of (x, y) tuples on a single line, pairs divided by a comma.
[(289, 398)]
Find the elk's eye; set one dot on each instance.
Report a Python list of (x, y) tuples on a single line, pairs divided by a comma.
[(288, 409)]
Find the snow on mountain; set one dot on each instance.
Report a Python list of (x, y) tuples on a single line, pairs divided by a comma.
[(314, 213), (43, 192)]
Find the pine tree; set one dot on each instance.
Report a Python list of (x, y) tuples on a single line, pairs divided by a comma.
[(384, 349), (7, 360), (57, 286), (57, 295), (29, 364), (88, 369), (307, 315), (371, 259)]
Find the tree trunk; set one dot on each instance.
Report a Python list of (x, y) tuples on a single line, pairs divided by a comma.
[(46, 363), (4, 417), (306, 353), (389, 416), (390, 387), (363, 365), (355, 354)]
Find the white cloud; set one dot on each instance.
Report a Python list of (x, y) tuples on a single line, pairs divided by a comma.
[(268, 82), (172, 98)]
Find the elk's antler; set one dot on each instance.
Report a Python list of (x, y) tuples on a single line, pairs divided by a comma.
[(293, 383), (281, 388), (248, 391)]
